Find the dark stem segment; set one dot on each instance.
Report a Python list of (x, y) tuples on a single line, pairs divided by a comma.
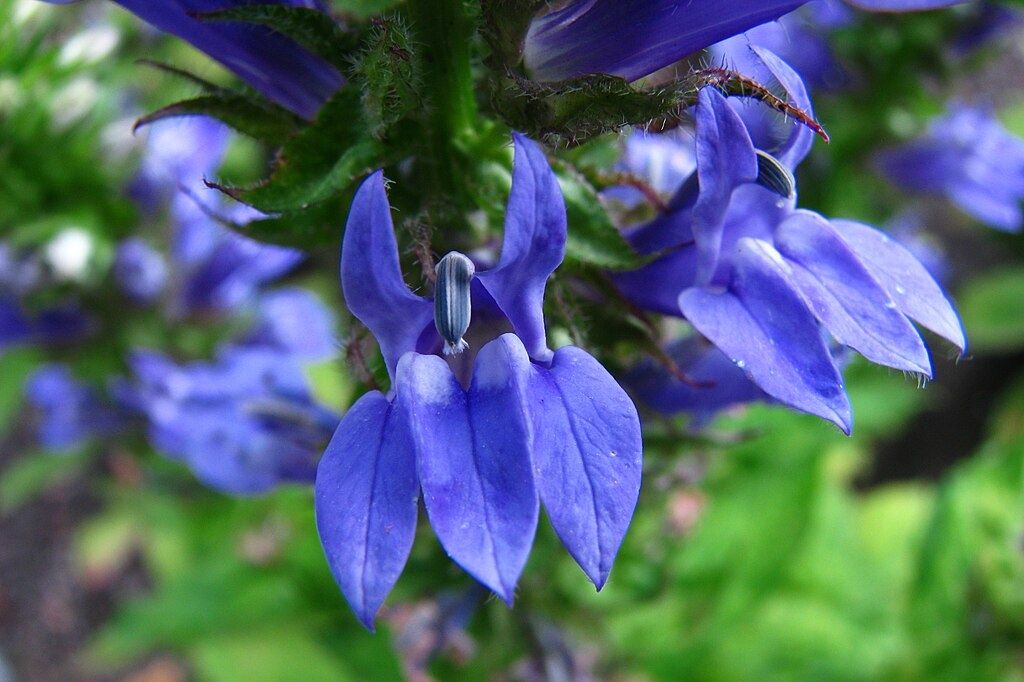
[(735, 84)]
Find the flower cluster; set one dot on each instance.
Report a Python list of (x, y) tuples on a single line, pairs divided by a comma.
[(483, 420), (244, 423)]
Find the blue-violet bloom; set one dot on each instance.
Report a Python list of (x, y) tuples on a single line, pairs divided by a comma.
[(486, 438), (764, 280), (294, 321), (220, 269), (68, 412), (799, 38), (244, 423), (140, 270), (713, 382), (276, 66), (970, 158), (635, 38)]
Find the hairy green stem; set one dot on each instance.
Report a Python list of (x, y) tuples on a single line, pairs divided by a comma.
[(444, 33)]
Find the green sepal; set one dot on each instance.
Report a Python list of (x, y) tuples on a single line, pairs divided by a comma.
[(319, 161), (311, 28), (571, 112), (505, 23), (317, 226), (246, 112), (249, 115), (390, 75), (593, 238)]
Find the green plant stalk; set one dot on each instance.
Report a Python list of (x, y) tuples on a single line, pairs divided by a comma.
[(444, 32)]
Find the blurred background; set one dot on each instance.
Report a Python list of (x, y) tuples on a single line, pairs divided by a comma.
[(766, 544)]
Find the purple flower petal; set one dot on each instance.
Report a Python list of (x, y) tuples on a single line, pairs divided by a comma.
[(633, 39), (724, 384), (588, 455), (725, 160), (533, 246), (801, 137), (847, 299), (916, 294), (294, 321), (180, 153), (371, 276), (140, 270), (473, 458), (764, 326), (800, 39), (989, 205), (14, 325), (276, 66), (968, 156), (66, 407), (366, 494), (671, 228), (656, 286)]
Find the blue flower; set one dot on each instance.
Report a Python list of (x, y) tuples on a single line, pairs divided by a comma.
[(276, 66), (179, 154), (486, 434), (294, 321), (634, 39), (764, 280), (710, 382), (69, 413), (22, 273), (213, 268), (140, 270), (663, 161), (970, 158), (19, 273), (219, 269), (15, 327), (244, 423), (799, 38), (987, 23)]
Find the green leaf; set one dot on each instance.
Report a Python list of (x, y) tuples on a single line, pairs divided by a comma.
[(105, 542), (247, 114), (318, 225), (184, 74), (311, 28), (278, 655), (992, 311), (30, 476), (571, 112), (16, 364), (209, 599), (318, 162), (593, 238)]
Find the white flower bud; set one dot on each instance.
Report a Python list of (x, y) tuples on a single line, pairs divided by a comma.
[(452, 302)]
